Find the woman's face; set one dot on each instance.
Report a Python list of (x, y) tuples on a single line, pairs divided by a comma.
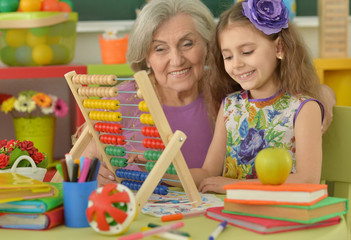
[(177, 55)]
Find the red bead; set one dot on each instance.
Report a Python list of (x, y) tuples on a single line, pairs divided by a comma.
[(156, 134), (145, 143), (108, 127), (118, 128), (102, 138), (114, 140), (121, 140)]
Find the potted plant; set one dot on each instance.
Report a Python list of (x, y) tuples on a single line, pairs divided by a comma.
[(22, 157), (34, 117)]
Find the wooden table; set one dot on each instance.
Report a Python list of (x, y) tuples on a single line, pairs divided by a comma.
[(198, 227)]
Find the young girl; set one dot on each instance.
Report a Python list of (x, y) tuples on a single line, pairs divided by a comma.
[(256, 50)]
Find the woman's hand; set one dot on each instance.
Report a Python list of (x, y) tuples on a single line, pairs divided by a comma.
[(215, 184), (329, 101), (105, 176), (136, 158)]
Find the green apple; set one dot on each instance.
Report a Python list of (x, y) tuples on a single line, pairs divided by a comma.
[(273, 165)]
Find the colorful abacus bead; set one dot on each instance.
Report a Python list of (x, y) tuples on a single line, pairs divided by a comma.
[(170, 170), (98, 91), (143, 107), (153, 143), (101, 104), (148, 131), (146, 118), (131, 174), (119, 162), (94, 79), (115, 151), (152, 155), (109, 127), (160, 189), (113, 139), (111, 209), (105, 116)]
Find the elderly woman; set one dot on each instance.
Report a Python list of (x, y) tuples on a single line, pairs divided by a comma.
[(169, 40)]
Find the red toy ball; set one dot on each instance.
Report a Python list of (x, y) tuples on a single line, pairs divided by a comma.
[(111, 209)]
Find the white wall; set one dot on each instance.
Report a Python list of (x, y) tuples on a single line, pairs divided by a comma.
[(88, 51)]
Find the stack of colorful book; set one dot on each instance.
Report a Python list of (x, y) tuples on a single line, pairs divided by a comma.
[(278, 208), (26, 203)]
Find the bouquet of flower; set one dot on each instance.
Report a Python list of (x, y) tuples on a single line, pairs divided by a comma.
[(11, 150), (32, 104)]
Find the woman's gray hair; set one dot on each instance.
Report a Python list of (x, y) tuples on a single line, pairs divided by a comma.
[(155, 13)]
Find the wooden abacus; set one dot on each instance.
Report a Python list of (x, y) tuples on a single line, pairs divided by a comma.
[(81, 90)]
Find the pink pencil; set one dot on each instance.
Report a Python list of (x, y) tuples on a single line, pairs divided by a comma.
[(153, 231), (85, 170)]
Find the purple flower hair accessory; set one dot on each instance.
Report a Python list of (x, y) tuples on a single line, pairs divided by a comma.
[(268, 16)]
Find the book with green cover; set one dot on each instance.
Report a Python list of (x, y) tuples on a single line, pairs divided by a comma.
[(322, 210), (39, 205)]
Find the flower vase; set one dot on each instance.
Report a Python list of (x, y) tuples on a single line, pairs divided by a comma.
[(32, 171), (39, 130)]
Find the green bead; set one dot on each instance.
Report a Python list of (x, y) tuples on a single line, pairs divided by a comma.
[(149, 166), (169, 170), (119, 162), (108, 150), (147, 155), (123, 162), (174, 172)]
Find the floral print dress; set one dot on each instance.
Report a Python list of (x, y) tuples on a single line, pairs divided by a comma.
[(255, 124)]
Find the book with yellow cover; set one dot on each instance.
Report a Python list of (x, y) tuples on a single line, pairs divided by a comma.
[(327, 208), (287, 193), (15, 187), (37, 205)]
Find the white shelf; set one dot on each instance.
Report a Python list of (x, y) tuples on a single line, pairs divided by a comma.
[(102, 26), (126, 25)]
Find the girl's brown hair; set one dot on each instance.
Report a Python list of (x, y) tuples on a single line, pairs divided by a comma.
[(296, 73)]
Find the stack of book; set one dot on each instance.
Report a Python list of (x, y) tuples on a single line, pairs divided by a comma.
[(278, 208), (26, 203)]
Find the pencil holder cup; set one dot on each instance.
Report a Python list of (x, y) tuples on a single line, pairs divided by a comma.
[(75, 202)]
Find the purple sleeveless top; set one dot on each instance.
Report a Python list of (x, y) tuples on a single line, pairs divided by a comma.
[(191, 119)]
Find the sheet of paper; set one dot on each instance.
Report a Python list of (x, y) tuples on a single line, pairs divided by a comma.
[(177, 202)]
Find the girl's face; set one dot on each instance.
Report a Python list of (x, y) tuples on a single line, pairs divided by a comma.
[(177, 55), (250, 59)]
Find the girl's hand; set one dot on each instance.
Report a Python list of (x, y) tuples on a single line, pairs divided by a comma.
[(215, 184), (105, 176)]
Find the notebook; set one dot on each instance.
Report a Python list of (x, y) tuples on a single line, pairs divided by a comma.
[(264, 225), (15, 187)]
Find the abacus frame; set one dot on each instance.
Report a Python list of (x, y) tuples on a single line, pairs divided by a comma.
[(172, 142)]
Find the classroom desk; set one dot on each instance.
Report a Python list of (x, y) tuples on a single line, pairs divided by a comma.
[(198, 227)]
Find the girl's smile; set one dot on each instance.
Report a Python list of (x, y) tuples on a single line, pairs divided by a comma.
[(251, 59)]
